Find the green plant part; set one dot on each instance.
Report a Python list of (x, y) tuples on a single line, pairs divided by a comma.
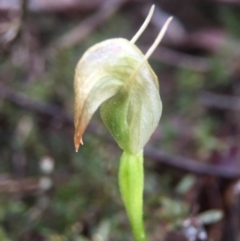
[(115, 75)]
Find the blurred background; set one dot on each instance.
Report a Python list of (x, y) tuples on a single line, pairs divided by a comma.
[(192, 162)]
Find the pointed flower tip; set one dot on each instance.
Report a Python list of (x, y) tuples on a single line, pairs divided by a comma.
[(77, 143)]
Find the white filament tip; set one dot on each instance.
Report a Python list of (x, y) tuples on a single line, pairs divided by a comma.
[(158, 39), (144, 25)]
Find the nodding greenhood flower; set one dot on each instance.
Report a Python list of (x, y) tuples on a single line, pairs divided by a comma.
[(115, 75)]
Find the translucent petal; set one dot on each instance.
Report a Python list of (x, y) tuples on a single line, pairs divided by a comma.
[(131, 106)]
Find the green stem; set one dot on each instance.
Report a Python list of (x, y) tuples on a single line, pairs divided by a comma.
[(131, 187)]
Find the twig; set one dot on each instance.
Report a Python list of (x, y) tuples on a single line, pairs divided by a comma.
[(234, 2), (15, 27), (87, 26), (64, 5), (34, 105), (191, 165), (28, 185), (209, 40), (160, 156), (220, 101), (180, 60)]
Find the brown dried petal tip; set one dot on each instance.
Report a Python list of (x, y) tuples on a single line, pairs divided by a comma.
[(77, 141)]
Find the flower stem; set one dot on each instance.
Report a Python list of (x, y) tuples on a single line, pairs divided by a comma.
[(131, 187)]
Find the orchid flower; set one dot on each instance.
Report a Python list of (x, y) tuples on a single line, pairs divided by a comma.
[(115, 76)]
